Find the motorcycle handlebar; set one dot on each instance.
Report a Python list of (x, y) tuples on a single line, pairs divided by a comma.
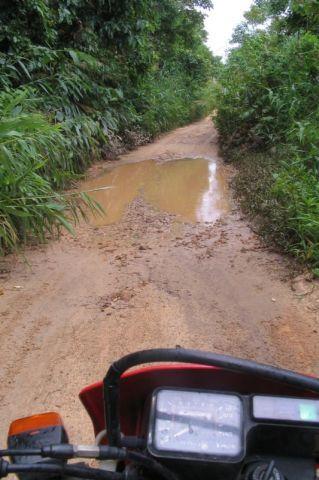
[(70, 470), (68, 451)]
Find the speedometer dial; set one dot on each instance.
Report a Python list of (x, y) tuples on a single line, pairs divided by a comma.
[(188, 423)]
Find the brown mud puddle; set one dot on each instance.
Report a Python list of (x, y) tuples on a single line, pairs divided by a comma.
[(194, 189)]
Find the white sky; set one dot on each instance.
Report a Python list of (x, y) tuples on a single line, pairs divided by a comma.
[(221, 21)]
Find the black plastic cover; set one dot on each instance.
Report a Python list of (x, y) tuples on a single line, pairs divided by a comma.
[(37, 439)]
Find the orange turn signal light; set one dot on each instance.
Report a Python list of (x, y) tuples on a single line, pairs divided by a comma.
[(42, 420)]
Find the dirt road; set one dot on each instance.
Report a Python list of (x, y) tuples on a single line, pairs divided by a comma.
[(147, 280)]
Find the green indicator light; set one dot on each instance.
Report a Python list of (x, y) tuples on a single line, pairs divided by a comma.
[(307, 412)]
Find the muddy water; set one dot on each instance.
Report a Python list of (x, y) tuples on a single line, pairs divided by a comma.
[(194, 189)]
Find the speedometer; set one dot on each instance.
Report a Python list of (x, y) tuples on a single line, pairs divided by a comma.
[(196, 424)]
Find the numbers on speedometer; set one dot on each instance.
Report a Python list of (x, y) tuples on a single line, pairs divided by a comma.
[(193, 422)]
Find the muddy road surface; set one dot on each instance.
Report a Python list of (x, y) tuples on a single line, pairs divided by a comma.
[(172, 263)]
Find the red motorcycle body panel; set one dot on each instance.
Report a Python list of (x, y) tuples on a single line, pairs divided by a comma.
[(137, 386)]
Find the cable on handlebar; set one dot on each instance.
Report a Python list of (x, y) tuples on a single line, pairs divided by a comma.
[(151, 464), (72, 470), (11, 452), (67, 451), (111, 383)]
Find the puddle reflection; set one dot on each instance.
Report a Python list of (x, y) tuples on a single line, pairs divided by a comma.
[(194, 189)]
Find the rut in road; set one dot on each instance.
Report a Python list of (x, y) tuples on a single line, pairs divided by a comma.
[(148, 280)]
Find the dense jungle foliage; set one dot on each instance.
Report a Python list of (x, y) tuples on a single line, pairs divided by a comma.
[(78, 78), (268, 117)]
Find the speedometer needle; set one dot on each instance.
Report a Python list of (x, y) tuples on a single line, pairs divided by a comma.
[(181, 432)]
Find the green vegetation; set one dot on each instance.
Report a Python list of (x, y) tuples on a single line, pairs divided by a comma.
[(78, 78), (268, 116)]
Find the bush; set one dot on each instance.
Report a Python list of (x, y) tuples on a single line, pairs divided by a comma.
[(267, 102), (297, 192), (29, 207)]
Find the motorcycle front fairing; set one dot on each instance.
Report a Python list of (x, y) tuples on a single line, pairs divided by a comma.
[(292, 443)]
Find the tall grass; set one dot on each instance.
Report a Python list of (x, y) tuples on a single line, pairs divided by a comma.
[(29, 206)]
